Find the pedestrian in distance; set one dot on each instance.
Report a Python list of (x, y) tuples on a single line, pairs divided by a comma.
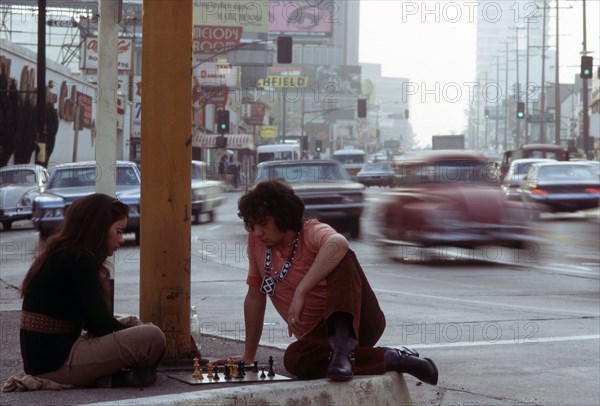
[(318, 287), (234, 169), (68, 333)]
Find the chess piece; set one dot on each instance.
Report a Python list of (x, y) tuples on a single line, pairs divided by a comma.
[(255, 367), (242, 367), (216, 377), (209, 369), (240, 370), (262, 375), (271, 372), (234, 370), (197, 370), (227, 372)]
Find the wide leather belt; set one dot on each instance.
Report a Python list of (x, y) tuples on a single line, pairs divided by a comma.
[(41, 323)]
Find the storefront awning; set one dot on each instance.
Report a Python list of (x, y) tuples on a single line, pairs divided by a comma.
[(234, 141)]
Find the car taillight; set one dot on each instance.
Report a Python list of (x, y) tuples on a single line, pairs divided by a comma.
[(539, 192), (592, 190)]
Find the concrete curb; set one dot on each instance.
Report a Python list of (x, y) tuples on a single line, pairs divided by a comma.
[(380, 390)]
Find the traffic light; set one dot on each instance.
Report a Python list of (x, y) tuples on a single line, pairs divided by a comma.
[(362, 108), (318, 145), (222, 121), (520, 110), (284, 49), (587, 63)]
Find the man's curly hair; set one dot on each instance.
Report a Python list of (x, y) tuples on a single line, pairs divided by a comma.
[(272, 198)]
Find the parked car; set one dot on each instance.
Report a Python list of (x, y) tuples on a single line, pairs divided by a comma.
[(70, 181), (325, 188), (515, 175), (451, 198), (562, 187), (207, 194), (376, 174), (19, 185)]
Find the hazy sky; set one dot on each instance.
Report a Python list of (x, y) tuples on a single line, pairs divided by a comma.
[(438, 57)]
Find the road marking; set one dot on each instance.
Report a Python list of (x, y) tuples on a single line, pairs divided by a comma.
[(507, 342), (543, 310)]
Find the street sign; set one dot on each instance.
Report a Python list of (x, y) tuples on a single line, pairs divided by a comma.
[(541, 118), (268, 131), (62, 23)]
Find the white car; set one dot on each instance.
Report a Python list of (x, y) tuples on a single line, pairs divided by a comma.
[(19, 185), (207, 194)]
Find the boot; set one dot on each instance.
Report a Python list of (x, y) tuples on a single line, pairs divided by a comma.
[(342, 344), (406, 360)]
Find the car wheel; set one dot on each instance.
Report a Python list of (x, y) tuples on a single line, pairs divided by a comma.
[(211, 216), (355, 227), (196, 218), (7, 225)]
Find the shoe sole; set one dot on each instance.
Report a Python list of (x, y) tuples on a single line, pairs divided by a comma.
[(434, 377), (339, 378)]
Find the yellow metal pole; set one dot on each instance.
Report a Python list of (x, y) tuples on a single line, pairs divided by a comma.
[(166, 171)]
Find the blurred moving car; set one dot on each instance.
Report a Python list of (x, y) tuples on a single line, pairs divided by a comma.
[(515, 175), (325, 188), (562, 187), (376, 174), (70, 181), (207, 194), (451, 198), (19, 185)]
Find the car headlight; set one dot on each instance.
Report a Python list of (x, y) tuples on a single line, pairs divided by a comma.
[(25, 201)]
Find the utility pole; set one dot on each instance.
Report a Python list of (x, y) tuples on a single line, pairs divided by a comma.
[(517, 89), (165, 256), (543, 95), (527, 87), (557, 88), (506, 101), (497, 102), (41, 133), (584, 84)]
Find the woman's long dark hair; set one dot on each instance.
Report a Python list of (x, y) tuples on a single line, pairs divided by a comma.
[(86, 226)]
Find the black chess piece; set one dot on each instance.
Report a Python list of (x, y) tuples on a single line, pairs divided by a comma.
[(255, 366), (216, 375), (227, 373), (240, 371), (271, 372), (262, 375)]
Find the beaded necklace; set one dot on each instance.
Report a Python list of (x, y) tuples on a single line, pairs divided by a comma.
[(268, 283)]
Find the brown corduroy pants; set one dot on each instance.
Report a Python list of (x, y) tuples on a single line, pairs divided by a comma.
[(348, 291)]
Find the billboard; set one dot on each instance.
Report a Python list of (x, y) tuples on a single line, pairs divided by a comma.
[(303, 17), (250, 15), (89, 52)]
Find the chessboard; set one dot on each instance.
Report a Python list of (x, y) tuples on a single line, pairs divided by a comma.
[(229, 373)]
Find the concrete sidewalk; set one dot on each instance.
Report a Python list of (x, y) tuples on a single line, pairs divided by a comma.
[(389, 389)]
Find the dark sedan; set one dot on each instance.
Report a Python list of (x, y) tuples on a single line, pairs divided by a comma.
[(325, 188), (70, 181), (562, 187), (376, 174)]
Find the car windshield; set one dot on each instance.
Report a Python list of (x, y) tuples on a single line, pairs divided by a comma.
[(198, 172), (566, 172), (86, 176), (17, 177), (377, 167), (303, 173)]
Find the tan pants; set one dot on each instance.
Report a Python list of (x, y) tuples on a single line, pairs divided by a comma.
[(94, 357)]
